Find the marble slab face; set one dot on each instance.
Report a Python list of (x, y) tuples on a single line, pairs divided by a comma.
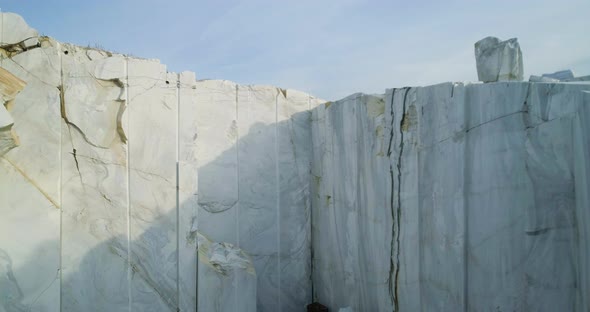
[(94, 183), (498, 60), (580, 140), (187, 190), (350, 205), (29, 180), (253, 184), (114, 144), (488, 182), (152, 120), (36, 114), (258, 227), (216, 139), (118, 143), (29, 261), (216, 136), (294, 159)]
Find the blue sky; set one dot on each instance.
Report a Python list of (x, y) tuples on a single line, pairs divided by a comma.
[(327, 48)]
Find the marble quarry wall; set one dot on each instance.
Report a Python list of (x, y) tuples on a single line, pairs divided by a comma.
[(113, 170), (453, 197), (125, 187)]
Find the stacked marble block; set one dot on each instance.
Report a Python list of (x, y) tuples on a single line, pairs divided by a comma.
[(117, 170), (453, 197)]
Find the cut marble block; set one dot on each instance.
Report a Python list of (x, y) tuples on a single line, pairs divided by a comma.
[(294, 159), (321, 184), (561, 75), (258, 184), (222, 266), (488, 182), (29, 187), (265, 134), (216, 150), (93, 184), (534, 78), (187, 191), (151, 129), (495, 192), (350, 204), (556, 229), (216, 139), (498, 60), (433, 181), (580, 79)]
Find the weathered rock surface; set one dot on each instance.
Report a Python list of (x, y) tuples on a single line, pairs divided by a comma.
[(498, 60)]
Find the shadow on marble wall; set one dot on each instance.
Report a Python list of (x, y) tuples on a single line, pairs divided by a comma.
[(103, 185), (11, 293), (271, 217)]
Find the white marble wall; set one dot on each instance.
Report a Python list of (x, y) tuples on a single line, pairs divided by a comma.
[(29, 186), (119, 163), (448, 197), (487, 188), (350, 207)]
